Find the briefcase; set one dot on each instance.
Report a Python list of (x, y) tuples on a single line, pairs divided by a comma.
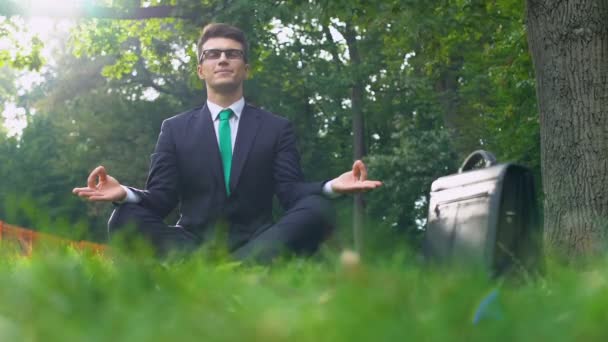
[(486, 216)]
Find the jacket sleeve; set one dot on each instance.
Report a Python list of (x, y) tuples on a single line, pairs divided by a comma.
[(162, 187), (289, 180)]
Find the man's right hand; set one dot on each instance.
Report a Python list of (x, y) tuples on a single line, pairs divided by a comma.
[(101, 187)]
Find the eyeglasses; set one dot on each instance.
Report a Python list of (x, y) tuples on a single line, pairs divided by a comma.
[(217, 53)]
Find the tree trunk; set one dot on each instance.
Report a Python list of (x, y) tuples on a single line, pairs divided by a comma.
[(357, 93), (569, 45), (358, 153)]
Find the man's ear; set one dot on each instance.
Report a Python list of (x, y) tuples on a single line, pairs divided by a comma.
[(246, 71), (199, 72)]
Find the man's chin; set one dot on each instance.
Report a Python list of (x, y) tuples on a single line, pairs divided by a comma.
[(225, 88)]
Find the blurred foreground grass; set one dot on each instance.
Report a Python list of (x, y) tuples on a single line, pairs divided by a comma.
[(66, 295)]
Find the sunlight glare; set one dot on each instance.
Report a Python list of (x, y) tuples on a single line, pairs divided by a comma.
[(68, 7), (14, 119)]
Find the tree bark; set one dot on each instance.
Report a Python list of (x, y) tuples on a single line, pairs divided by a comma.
[(357, 93), (568, 40)]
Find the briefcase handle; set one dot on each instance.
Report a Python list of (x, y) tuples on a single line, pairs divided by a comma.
[(475, 158)]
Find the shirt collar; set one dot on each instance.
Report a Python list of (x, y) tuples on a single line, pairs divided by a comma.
[(237, 108)]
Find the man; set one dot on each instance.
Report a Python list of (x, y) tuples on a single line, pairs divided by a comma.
[(223, 163)]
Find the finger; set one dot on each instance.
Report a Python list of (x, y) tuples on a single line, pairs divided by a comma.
[(360, 187), (367, 185), (99, 198), (356, 170), (100, 172), (374, 183), (361, 174), (88, 193), (78, 190)]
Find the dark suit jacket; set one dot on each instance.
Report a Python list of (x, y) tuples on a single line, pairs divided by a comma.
[(186, 168)]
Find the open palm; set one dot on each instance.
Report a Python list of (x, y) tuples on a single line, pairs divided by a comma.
[(354, 181)]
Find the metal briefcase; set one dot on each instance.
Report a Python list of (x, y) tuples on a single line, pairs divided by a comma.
[(485, 217)]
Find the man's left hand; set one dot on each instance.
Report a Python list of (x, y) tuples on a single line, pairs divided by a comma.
[(354, 181)]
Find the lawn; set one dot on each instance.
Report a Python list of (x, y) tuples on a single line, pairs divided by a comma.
[(70, 295)]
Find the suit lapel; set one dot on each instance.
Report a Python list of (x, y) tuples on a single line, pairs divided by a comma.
[(209, 148), (248, 128)]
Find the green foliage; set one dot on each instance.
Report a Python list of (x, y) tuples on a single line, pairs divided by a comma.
[(21, 55), (419, 158), (84, 121), (156, 53), (475, 55), (7, 85)]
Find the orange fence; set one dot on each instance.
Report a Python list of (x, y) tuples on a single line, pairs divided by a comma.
[(26, 240)]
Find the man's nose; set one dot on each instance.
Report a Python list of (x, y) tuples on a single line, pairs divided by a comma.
[(223, 58)]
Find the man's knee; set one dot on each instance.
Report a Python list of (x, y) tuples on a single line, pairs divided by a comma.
[(131, 217), (132, 223), (320, 209), (121, 216)]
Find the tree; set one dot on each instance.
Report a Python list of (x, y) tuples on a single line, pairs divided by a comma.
[(569, 45), (18, 57)]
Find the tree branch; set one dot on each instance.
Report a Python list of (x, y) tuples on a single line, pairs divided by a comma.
[(333, 49)]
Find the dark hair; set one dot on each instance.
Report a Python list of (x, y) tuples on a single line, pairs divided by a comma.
[(219, 30)]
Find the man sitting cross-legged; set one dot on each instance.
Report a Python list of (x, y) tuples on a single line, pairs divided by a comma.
[(223, 163)]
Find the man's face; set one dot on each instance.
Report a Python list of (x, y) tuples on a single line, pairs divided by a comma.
[(224, 74)]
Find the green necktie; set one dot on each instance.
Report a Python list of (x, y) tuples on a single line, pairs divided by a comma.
[(226, 145)]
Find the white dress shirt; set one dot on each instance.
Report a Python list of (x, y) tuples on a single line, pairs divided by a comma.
[(214, 109)]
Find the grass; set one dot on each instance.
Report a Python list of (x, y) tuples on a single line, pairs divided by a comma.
[(67, 295)]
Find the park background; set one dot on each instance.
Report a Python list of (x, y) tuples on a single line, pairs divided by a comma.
[(411, 87)]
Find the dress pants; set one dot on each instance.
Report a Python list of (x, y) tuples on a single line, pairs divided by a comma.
[(299, 231)]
